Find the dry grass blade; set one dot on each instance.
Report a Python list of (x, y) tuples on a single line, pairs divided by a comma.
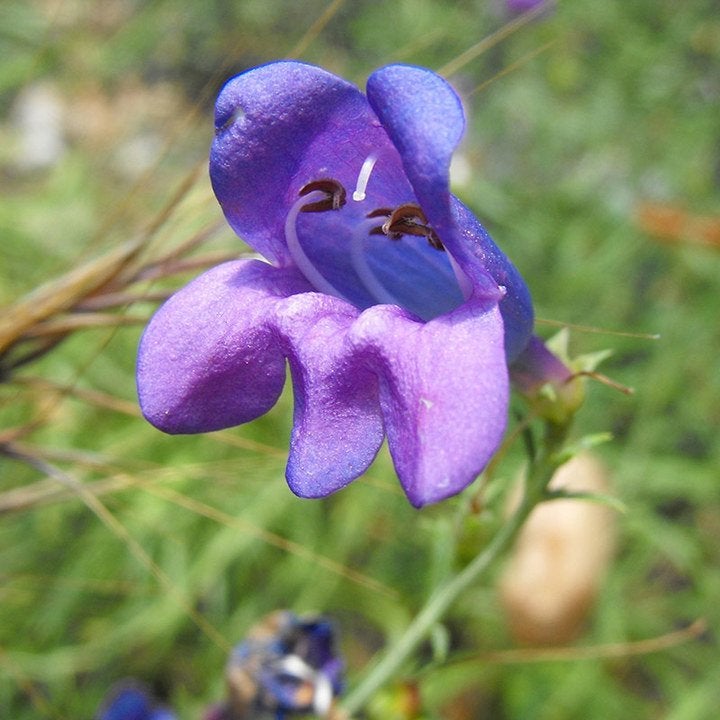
[(173, 266), (92, 397), (491, 40), (91, 585), (110, 300), (596, 652), (605, 380), (37, 322), (108, 401), (271, 539), (48, 491), (63, 293), (120, 531), (316, 28), (597, 330), (574, 653), (513, 66), (37, 699), (64, 325)]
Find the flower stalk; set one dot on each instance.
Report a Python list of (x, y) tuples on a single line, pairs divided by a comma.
[(539, 474)]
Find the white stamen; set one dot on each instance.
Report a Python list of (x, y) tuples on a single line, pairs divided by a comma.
[(362, 267), (363, 177), (303, 262)]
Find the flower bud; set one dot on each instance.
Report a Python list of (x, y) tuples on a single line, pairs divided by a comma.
[(553, 391)]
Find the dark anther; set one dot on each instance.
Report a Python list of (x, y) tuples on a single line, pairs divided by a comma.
[(409, 219), (335, 195), (378, 229), (409, 214), (380, 212), (434, 240)]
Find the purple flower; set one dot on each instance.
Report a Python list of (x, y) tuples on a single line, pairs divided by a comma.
[(395, 310)]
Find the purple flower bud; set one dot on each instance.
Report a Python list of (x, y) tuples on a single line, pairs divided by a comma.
[(554, 391)]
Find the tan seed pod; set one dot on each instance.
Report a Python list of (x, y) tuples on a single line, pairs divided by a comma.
[(561, 557)]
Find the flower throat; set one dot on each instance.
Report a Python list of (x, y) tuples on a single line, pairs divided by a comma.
[(394, 223)]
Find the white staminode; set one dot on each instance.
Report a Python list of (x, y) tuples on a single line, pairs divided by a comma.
[(303, 262), (363, 177)]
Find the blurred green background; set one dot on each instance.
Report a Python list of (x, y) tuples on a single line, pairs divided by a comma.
[(592, 155)]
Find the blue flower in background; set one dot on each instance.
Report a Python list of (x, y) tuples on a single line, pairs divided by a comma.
[(286, 665), (395, 310), (129, 701)]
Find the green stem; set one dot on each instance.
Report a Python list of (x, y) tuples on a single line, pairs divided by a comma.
[(539, 475)]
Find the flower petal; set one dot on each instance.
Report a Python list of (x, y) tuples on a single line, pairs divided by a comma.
[(281, 126), (443, 393), (337, 428), (424, 118), (209, 358), (425, 121), (516, 304)]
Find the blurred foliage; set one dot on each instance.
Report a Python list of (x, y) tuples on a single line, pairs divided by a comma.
[(592, 155)]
